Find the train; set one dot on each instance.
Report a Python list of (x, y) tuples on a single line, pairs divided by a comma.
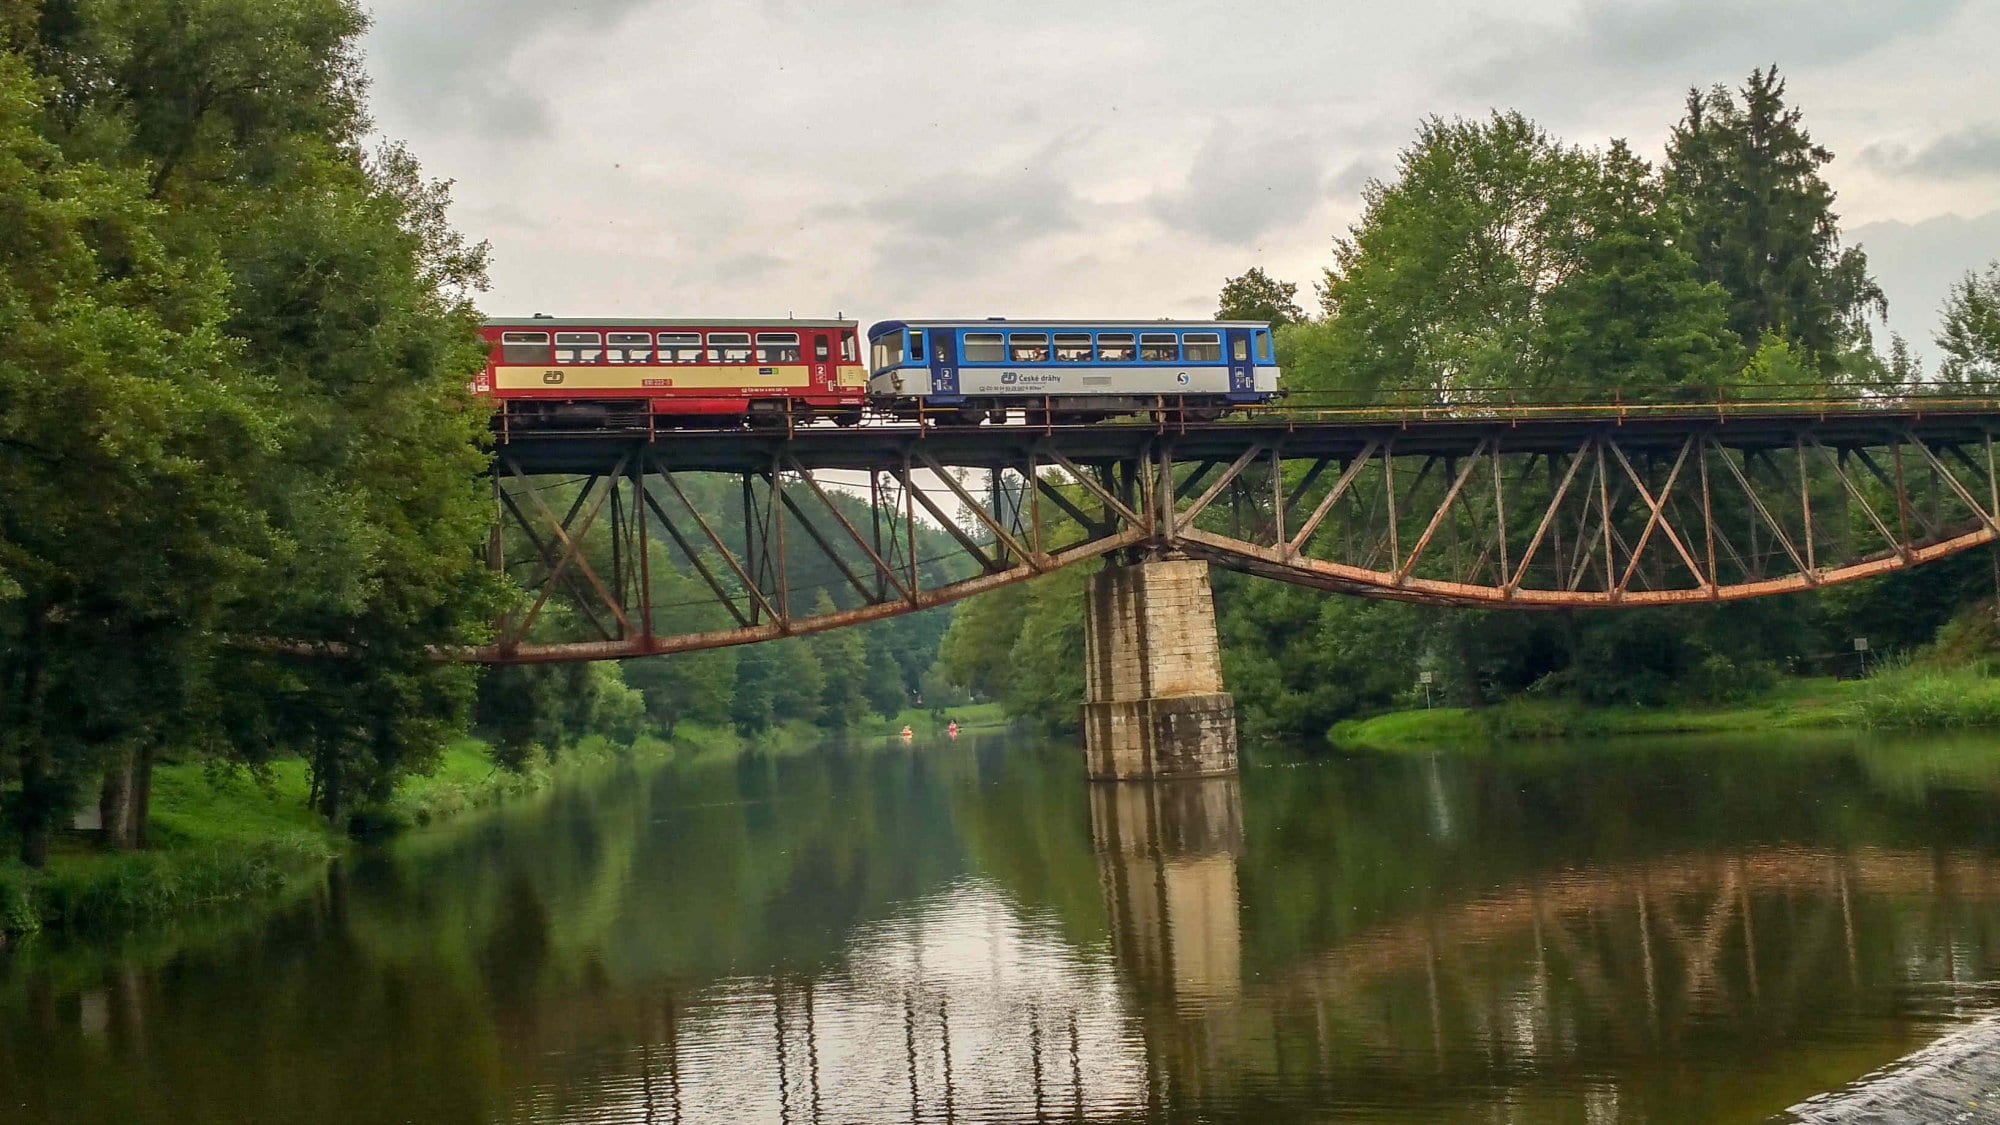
[(571, 373)]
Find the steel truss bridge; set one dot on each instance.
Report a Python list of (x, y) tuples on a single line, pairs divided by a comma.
[(1486, 505)]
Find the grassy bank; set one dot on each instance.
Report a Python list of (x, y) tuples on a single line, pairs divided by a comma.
[(222, 837), (1907, 697), (972, 716)]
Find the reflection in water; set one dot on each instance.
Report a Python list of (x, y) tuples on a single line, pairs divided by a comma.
[(1168, 851), (971, 933)]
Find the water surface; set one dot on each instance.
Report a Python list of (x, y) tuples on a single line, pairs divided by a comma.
[(1633, 932)]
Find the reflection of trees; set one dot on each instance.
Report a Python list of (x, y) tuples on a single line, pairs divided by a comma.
[(955, 932)]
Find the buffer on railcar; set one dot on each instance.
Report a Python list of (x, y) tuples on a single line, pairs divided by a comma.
[(972, 371)]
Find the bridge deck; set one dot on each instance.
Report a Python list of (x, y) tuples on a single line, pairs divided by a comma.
[(1301, 431)]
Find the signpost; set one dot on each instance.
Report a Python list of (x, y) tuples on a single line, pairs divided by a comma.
[(1861, 651), (1424, 678)]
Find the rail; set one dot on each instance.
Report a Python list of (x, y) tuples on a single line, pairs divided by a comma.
[(1401, 406)]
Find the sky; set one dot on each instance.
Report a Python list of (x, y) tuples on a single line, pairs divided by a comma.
[(888, 159)]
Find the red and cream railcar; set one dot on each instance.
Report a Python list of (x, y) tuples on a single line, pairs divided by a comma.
[(565, 371)]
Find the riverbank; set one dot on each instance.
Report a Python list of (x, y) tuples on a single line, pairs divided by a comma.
[(1908, 698), (223, 837)]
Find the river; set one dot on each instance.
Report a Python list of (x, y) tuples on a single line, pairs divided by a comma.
[(1621, 932)]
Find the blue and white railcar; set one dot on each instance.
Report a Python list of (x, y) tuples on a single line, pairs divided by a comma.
[(974, 370)]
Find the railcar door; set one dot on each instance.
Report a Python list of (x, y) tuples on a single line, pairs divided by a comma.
[(823, 377), (1242, 368), (942, 348)]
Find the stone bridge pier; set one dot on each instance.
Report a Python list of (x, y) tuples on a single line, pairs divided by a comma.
[(1153, 700)]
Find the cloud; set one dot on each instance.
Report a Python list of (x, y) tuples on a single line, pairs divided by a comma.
[(1028, 203), (455, 60), (1970, 152), (1243, 185), (1916, 263), (1679, 38)]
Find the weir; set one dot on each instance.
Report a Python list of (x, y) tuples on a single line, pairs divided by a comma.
[(1154, 704)]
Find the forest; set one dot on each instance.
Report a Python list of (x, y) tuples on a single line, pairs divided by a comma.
[(1499, 260)]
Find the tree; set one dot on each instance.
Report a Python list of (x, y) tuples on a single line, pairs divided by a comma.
[(1744, 180), (1441, 282), (1633, 315), (1970, 334), (1258, 296), (129, 437), (842, 656), (346, 296)]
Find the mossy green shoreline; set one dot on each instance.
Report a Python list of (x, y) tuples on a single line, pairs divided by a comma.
[(223, 837), (1909, 698)]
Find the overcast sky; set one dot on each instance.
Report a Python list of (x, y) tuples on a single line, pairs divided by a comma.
[(889, 158)]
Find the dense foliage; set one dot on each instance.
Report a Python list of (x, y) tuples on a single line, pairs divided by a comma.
[(1500, 261), (232, 410)]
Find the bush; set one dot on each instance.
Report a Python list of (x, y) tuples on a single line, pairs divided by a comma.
[(1912, 697), (17, 904)]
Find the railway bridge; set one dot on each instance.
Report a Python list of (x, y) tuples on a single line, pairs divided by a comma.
[(796, 529)]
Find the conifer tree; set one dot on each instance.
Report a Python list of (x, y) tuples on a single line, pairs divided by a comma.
[(1743, 177)]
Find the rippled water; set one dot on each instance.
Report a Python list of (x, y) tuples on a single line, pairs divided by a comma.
[(970, 932)]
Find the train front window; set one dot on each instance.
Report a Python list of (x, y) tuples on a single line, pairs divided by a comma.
[(917, 352), (888, 350), (1205, 347), (524, 347), (1263, 345), (777, 347), (1028, 347), (984, 347), (1241, 350), (729, 347), (821, 352), (579, 347), (630, 347), (1072, 347), (1115, 347), (849, 350), (1159, 347)]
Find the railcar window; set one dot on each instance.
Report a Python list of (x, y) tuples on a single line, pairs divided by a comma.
[(1115, 347), (1159, 347), (1241, 350), (1072, 347), (888, 350), (778, 347), (729, 347), (849, 350), (680, 347), (579, 347), (630, 347), (917, 352), (1264, 346), (821, 352), (1204, 347), (1028, 347), (983, 347), (524, 347)]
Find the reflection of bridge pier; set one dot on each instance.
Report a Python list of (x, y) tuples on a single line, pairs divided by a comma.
[(1167, 854)]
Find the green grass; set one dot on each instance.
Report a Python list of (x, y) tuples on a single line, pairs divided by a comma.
[(225, 836), (1815, 704), (1917, 697), (218, 837)]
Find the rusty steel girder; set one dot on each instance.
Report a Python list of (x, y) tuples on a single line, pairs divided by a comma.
[(769, 535)]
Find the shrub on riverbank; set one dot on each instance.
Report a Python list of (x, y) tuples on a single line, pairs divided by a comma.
[(1795, 704), (225, 836), (1917, 697)]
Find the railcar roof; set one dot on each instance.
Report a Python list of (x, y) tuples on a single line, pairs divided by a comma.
[(1007, 322), (655, 322)]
